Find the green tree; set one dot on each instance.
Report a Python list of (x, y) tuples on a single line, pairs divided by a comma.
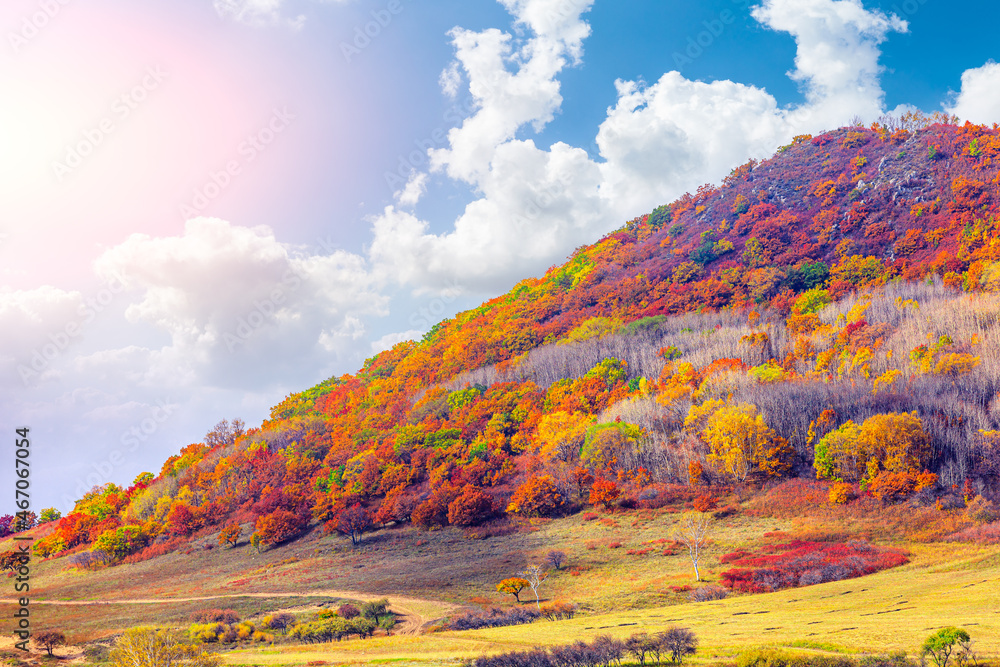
[(942, 644), (49, 514), (375, 609)]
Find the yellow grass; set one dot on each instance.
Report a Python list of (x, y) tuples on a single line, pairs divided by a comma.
[(887, 611), (619, 594)]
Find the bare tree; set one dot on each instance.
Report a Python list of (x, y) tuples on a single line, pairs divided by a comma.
[(49, 639), (678, 641), (535, 575), (556, 559), (225, 432), (692, 531)]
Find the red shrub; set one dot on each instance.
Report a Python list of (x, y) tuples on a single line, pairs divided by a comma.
[(156, 550), (705, 503), (799, 563)]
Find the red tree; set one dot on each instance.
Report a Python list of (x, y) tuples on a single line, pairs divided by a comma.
[(353, 521), (471, 508)]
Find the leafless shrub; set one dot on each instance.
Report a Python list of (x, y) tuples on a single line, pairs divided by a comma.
[(708, 593)]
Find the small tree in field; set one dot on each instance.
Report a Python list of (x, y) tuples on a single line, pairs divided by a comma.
[(942, 644), (49, 639), (230, 535), (535, 575), (347, 611), (692, 531), (556, 559), (375, 609), (513, 586)]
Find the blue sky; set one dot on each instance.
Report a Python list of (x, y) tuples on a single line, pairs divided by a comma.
[(208, 204)]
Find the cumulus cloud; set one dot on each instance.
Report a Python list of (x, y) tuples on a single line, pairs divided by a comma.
[(240, 306), (507, 100), (37, 327), (657, 142), (979, 99)]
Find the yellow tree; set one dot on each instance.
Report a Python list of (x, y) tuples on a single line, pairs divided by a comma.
[(740, 442), (148, 647), (895, 442), (561, 434)]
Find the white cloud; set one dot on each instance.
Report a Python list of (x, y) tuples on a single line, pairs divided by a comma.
[(657, 141), (239, 306), (451, 79), (37, 327), (414, 189), (662, 140), (979, 99), (837, 52), (507, 100), (263, 12), (388, 341)]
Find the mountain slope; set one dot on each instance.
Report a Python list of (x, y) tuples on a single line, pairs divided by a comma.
[(736, 334)]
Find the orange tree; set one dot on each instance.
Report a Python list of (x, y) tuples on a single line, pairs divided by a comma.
[(604, 492), (513, 586), (538, 496)]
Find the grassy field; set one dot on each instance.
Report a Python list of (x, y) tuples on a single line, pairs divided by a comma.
[(429, 575), (891, 610)]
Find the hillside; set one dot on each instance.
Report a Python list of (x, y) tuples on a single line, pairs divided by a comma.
[(828, 312)]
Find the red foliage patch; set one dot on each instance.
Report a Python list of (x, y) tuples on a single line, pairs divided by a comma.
[(987, 534), (799, 563), (156, 550)]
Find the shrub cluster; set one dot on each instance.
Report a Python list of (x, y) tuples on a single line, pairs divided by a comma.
[(227, 616), (673, 643), (984, 534), (769, 657), (227, 633), (558, 610), (708, 593), (800, 563), (334, 627), (495, 618), (156, 550)]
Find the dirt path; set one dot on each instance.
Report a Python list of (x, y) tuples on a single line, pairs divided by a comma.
[(410, 624)]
